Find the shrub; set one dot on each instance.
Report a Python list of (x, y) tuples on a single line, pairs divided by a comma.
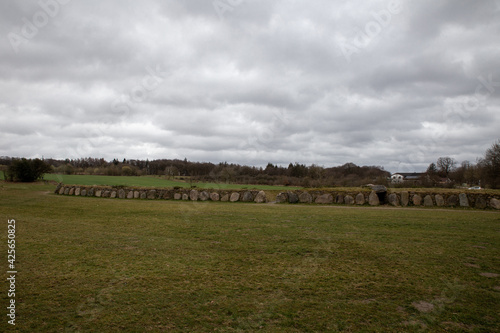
[(24, 170)]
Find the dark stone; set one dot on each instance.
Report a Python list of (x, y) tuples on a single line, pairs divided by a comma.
[(452, 200), (481, 203), (247, 196), (293, 197), (305, 197), (282, 197)]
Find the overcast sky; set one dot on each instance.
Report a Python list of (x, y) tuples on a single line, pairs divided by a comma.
[(390, 83)]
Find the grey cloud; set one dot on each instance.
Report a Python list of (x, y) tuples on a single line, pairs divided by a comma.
[(264, 82)]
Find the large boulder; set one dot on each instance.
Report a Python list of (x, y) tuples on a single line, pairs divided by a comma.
[(324, 199), (439, 200), (452, 200), (130, 195), (428, 201), (360, 199), (98, 193), (463, 200), (349, 200), (373, 199), (405, 198), (305, 197), (235, 196), (225, 197), (121, 193), (339, 199), (393, 199), (379, 188), (495, 203), (417, 200), (293, 197), (247, 196), (113, 194), (260, 197), (282, 197), (481, 203), (194, 195), (77, 191), (177, 196), (84, 192), (152, 194), (204, 196), (214, 196)]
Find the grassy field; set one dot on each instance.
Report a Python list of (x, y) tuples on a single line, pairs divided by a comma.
[(105, 265), (150, 181)]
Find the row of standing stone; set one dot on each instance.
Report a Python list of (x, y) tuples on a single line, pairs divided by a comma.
[(193, 195), (403, 198)]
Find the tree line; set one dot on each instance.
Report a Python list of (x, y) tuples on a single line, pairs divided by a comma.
[(444, 172)]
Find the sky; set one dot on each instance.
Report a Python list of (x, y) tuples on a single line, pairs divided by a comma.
[(396, 84)]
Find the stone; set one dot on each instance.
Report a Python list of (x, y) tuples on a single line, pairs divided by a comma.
[(194, 195), (464, 201), (428, 201), (305, 197), (137, 194), (58, 188), (84, 192), (66, 190), (225, 198), (439, 200), (90, 192), (495, 203), (452, 200), (417, 200), (106, 194), (349, 200), (235, 196), (379, 188), (77, 191), (151, 194), (185, 196), (405, 198), (204, 196), (113, 194), (247, 196), (324, 199), (373, 199), (72, 191), (260, 197), (121, 193), (61, 190), (339, 199), (177, 196), (481, 203), (98, 193), (293, 197), (130, 195), (282, 197), (214, 196), (393, 199), (360, 199), (143, 195)]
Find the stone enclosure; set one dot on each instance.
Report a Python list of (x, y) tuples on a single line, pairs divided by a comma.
[(378, 195)]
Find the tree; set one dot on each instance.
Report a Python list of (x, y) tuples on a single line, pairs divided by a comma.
[(432, 169), (491, 165), (446, 165), (24, 170)]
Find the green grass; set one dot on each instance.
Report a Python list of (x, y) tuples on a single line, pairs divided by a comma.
[(107, 265), (150, 181)]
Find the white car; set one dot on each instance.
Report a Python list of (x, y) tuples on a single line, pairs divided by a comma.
[(475, 188)]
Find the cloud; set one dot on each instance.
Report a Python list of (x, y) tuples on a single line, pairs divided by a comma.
[(252, 83)]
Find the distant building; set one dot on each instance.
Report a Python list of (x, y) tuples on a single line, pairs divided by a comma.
[(405, 177)]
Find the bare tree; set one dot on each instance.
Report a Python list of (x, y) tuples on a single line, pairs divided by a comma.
[(446, 165)]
